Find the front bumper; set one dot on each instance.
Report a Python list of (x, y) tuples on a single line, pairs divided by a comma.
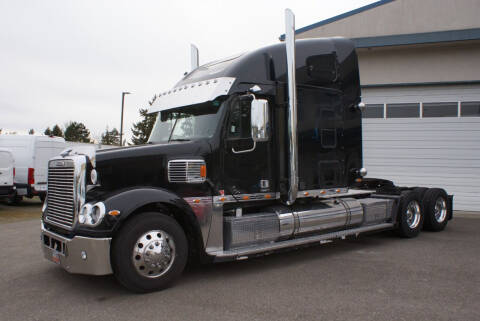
[(81, 255)]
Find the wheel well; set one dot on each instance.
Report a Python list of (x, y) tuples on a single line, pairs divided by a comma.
[(195, 242)]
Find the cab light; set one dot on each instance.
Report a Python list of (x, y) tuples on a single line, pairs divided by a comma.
[(114, 213), (203, 171)]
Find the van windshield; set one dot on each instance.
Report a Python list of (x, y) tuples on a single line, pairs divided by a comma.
[(186, 123)]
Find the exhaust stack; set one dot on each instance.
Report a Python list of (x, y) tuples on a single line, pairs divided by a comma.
[(292, 106), (194, 56)]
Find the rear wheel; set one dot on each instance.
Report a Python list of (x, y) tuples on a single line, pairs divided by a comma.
[(435, 203), (410, 216), (149, 252)]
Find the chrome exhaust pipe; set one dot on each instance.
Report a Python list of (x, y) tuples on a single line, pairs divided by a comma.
[(292, 106), (194, 59)]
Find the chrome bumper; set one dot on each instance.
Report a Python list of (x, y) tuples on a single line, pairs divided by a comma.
[(81, 255)]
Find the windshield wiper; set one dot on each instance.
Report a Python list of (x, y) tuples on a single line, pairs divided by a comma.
[(173, 128)]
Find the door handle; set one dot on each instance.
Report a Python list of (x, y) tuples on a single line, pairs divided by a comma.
[(246, 150)]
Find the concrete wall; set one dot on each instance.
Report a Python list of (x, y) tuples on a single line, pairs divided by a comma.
[(459, 61), (404, 17)]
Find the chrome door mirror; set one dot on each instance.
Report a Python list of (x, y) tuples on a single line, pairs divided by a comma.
[(259, 120)]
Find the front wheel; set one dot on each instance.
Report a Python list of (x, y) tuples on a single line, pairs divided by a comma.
[(149, 252), (410, 216)]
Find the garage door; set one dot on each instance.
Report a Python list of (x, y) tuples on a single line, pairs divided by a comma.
[(425, 137)]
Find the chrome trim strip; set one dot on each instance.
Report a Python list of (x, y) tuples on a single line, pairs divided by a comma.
[(192, 93), (236, 253), (292, 106), (332, 192), (222, 199)]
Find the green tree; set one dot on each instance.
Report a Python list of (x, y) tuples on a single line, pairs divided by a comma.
[(48, 131), (111, 137), (77, 132), (57, 131), (142, 129), (31, 131)]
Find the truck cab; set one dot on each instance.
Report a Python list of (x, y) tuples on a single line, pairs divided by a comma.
[(248, 155)]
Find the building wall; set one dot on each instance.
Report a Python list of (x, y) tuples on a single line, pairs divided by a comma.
[(446, 62), (403, 17)]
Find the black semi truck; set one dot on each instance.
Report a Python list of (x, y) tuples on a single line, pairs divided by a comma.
[(248, 156)]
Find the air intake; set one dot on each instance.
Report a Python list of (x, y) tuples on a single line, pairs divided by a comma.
[(186, 171)]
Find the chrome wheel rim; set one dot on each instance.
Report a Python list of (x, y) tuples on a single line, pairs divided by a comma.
[(153, 254), (413, 214), (440, 210)]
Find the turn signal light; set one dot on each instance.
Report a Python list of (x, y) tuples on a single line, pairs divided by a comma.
[(306, 193), (245, 198), (323, 192), (203, 171), (114, 213), (268, 196), (196, 201)]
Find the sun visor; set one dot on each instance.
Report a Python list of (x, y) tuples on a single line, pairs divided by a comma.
[(192, 93)]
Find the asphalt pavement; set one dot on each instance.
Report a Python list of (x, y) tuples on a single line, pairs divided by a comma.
[(435, 276)]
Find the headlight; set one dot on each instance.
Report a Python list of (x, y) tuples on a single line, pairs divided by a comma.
[(91, 214)]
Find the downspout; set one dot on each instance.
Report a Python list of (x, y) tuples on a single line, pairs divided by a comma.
[(292, 107)]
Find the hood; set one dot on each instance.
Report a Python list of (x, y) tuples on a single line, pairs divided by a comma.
[(144, 165)]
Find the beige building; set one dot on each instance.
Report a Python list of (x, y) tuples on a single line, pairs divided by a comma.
[(420, 75)]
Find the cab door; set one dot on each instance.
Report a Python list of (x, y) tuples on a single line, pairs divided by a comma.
[(247, 165)]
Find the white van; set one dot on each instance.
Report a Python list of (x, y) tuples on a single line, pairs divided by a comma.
[(7, 173), (31, 154)]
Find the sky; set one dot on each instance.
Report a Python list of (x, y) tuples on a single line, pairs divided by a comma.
[(65, 60)]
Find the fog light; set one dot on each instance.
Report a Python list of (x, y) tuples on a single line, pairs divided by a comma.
[(83, 255)]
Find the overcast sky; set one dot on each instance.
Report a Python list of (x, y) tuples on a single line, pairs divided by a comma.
[(64, 60)]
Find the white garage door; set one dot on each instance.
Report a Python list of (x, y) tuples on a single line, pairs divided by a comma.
[(425, 137)]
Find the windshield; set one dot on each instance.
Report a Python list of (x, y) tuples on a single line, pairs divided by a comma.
[(186, 123)]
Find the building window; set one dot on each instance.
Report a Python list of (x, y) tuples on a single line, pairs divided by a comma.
[(471, 109), (372, 111), (440, 109), (403, 110)]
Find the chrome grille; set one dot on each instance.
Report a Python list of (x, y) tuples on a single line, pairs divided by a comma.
[(185, 171), (60, 193)]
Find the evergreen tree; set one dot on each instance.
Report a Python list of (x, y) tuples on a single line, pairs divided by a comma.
[(77, 132), (48, 131), (142, 129), (111, 137), (31, 131), (57, 131)]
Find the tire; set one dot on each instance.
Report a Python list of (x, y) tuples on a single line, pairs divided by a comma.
[(13, 200), (165, 245), (410, 215), (420, 191), (435, 203)]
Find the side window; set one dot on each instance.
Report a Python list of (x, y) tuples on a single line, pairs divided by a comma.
[(239, 125)]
